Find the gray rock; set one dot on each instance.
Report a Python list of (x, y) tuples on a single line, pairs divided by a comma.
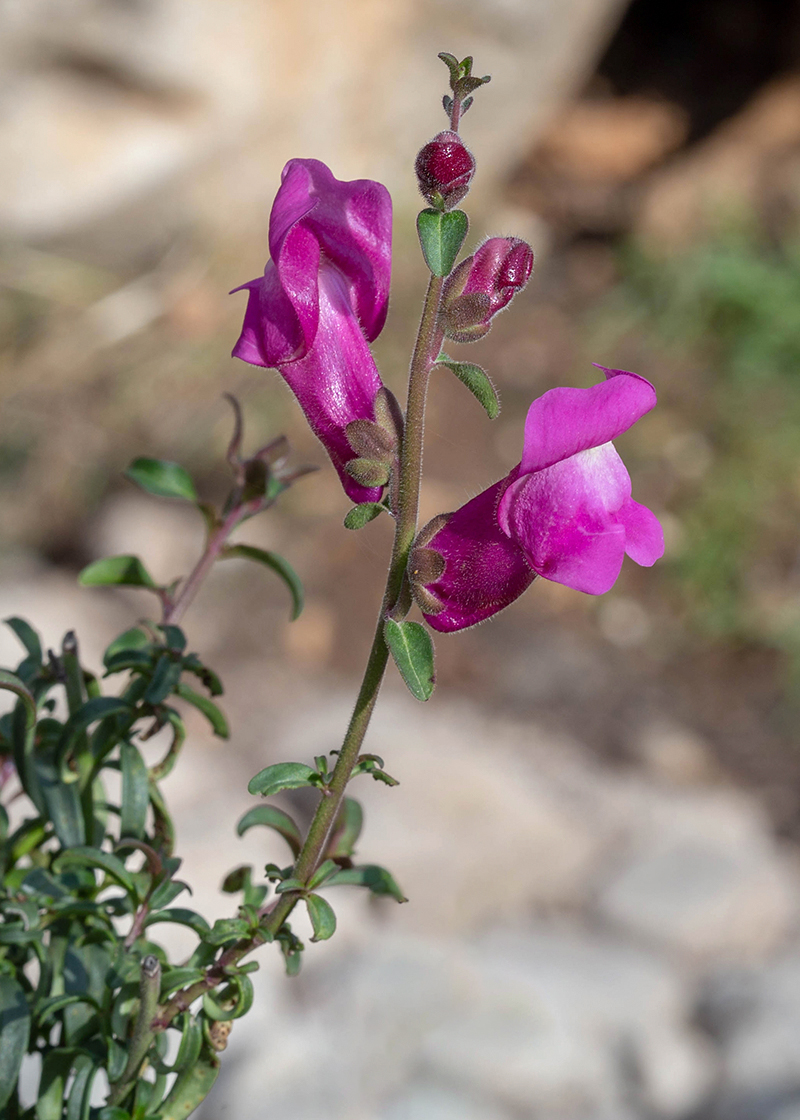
[(701, 873)]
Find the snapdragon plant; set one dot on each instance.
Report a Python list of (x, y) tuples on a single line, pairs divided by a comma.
[(89, 875)]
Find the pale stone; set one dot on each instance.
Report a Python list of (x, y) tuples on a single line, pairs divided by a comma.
[(703, 875), (105, 103)]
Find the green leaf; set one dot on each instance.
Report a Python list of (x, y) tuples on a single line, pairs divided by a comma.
[(289, 885), (15, 1023), (272, 817), (55, 1071), (239, 993), (128, 571), (377, 879), (165, 678), (226, 930), (81, 1091), (28, 636), (362, 514), (191, 1043), (322, 874), (181, 917), (346, 829), (323, 919), (178, 978), (441, 237), (10, 682), (103, 861), (218, 722), (135, 792), (271, 560), (191, 1088), (134, 639), (160, 477), (283, 775), (62, 799), (477, 381), (412, 649), (110, 1112), (47, 1008)]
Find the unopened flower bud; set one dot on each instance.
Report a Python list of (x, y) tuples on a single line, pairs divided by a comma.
[(484, 284), (444, 170)]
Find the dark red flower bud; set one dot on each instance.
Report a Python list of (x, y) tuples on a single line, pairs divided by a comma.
[(484, 284), (444, 170)]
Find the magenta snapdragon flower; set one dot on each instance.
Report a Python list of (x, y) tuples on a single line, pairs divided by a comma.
[(564, 513), (323, 297)]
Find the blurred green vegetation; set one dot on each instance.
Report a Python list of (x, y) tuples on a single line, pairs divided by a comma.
[(726, 317)]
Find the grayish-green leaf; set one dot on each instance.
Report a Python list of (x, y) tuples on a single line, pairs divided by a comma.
[(135, 792), (323, 873), (28, 636), (103, 861), (412, 649), (127, 571), (362, 514), (160, 477), (275, 818), (283, 775), (272, 560), (347, 829), (441, 236), (181, 917), (191, 1088), (81, 1090), (323, 919), (377, 879), (219, 723), (15, 1023), (477, 381)]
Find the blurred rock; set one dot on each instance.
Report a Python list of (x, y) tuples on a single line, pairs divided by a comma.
[(702, 874), (104, 103), (575, 177), (545, 1023), (675, 753), (747, 161)]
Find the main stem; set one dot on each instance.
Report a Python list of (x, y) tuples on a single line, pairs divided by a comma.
[(426, 351)]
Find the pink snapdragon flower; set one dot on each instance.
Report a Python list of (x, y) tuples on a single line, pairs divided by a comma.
[(323, 297), (484, 284), (564, 513)]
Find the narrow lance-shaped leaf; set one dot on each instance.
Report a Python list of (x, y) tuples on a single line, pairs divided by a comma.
[(412, 649), (272, 817), (160, 477), (191, 1088), (477, 381), (376, 878), (28, 636), (15, 1021), (135, 792), (218, 722), (103, 861), (126, 571), (271, 560)]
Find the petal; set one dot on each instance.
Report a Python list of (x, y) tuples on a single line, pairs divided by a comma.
[(337, 380), (272, 331), (644, 537), (484, 569), (565, 519), (352, 223), (563, 422)]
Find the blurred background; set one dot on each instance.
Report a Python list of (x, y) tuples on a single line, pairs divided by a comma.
[(599, 810)]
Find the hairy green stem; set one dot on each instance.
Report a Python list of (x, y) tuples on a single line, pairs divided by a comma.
[(426, 351)]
